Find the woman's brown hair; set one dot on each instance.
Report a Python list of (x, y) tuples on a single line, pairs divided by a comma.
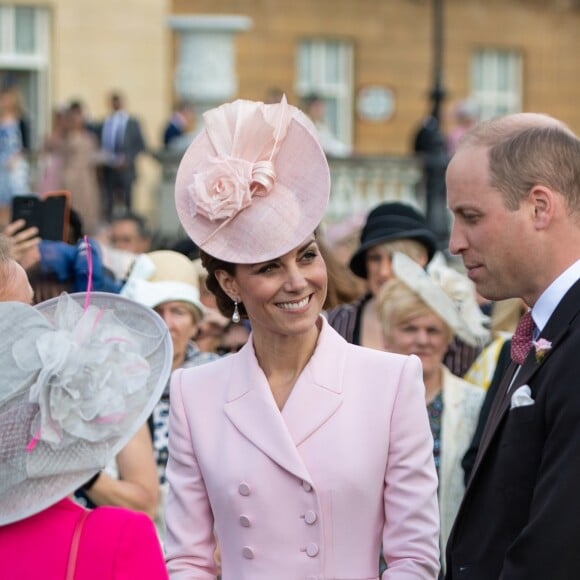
[(224, 303)]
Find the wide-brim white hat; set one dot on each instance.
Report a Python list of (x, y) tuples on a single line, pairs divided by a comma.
[(254, 183), (80, 375)]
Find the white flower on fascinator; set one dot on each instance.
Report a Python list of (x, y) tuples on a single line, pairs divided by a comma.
[(83, 385)]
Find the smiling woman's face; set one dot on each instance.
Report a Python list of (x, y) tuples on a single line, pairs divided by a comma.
[(282, 296), (427, 336)]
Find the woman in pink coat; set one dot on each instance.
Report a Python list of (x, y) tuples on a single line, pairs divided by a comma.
[(300, 455), (80, 374)]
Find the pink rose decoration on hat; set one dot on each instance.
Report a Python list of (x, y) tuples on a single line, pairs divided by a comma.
[(223, 189), (229, 180), (228, 185)]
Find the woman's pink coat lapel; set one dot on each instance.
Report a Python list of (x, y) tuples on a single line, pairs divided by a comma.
[(316, 396)]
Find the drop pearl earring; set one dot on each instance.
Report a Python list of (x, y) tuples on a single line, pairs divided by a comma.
[(236, 315)]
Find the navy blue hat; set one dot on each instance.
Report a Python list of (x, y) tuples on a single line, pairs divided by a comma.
[(389, 222)]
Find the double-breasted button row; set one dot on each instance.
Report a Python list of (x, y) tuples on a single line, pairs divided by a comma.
[(244, 489), (311, 550), (310, 517)]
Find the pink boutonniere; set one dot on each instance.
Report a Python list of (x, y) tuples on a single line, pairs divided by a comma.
[(543, 347)]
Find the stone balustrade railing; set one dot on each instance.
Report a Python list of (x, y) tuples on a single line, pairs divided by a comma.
[(359, 183)]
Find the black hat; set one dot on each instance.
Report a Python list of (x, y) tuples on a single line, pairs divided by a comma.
[(389, 222)]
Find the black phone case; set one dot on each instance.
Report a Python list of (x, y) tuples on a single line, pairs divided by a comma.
[(48, 215)]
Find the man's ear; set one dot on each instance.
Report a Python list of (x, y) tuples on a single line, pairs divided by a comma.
[(543, 201), (227, 283)]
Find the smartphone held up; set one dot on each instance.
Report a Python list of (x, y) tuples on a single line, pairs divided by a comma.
[(49, 213)]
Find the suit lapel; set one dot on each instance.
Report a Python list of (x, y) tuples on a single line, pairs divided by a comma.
[(252, 409), (555, 331), (498, 408)]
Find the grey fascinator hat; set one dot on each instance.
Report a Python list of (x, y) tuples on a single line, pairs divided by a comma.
[(81, 373)]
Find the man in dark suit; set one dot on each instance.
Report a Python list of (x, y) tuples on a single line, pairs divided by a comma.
[(514, 189), (121, 142)]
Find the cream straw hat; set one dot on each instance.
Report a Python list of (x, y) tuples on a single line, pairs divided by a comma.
[(163, 276)]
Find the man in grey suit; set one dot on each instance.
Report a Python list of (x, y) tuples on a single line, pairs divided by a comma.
[(514, 189), (121, 142)]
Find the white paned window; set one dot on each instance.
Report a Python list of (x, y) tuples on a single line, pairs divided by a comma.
[(25, 37), (24, 60), (325, 67), (496, 81)]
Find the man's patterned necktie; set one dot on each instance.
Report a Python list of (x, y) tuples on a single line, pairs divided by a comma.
[(522, 338)]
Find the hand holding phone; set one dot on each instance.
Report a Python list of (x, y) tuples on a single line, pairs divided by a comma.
[(50, 215), (23, 243)]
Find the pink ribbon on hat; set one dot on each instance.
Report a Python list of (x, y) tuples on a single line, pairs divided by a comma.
[(90, 273), (246, 137), (33, 442)]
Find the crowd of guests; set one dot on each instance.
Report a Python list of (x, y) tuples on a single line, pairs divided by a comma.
[(94, 159), (271, 425)]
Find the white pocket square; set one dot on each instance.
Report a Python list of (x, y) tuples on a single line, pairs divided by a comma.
[(522, 397)]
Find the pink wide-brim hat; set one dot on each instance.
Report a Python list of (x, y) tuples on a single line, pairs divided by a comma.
[(254, 183)]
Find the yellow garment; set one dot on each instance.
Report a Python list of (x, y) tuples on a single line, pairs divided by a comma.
[(481, 371)]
